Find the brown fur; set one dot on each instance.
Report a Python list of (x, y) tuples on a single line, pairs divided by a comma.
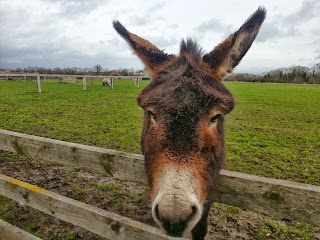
[(185, 94)]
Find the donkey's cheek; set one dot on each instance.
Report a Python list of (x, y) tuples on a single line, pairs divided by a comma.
[(209, 138)]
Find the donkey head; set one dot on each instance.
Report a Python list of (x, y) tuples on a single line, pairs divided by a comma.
[(182, 138)]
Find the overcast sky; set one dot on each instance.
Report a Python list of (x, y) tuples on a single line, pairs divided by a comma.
[(79, 33)]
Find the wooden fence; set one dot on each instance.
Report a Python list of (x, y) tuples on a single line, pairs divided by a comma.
[(93, 219), (10, 232), (273, 197)]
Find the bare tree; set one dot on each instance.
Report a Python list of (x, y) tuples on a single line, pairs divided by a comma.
[(315, 73), (97, 68)]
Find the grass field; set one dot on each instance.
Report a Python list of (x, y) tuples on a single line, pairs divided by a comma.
[(273, 131)]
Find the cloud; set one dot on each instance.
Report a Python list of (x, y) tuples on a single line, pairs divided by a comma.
[(307, 11), (143, 17), (142, 20), (316, 43), (214, 25), (317, 51), (139, 20), (173, 26), (64, 57), (163, 42), (75, 8), (155, 8), (79, 32), (274, 29), (281, 26)]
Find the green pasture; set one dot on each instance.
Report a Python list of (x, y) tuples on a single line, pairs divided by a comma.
[(274, 131)]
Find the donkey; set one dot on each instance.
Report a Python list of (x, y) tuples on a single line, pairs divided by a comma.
[(182, 137), (106, 82)]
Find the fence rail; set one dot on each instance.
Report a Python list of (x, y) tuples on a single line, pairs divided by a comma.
[(273, 197), (10, 232), (96, 220)]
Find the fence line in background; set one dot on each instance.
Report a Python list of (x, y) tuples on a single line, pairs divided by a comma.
[(84, 78), (68, 75)]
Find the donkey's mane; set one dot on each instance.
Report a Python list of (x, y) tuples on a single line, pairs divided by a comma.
[(191, 48)]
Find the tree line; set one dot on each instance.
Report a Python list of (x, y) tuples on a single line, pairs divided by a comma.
[(95, 70), (293, 74)]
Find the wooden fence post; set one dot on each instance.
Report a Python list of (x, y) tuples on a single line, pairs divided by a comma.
[(84, 83), (39, 83)]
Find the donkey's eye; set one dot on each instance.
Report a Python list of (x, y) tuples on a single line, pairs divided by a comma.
[(153, 117), (214, 120)]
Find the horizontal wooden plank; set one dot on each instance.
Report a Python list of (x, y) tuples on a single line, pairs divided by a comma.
[(121, 165), (273, 197), (93, 219), (284, 199), (11, 232)]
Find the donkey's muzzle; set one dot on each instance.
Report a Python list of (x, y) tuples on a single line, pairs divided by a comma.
[(176, 207), (175, 223)]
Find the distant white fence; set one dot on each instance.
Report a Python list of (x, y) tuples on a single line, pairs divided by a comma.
[(84, 78)]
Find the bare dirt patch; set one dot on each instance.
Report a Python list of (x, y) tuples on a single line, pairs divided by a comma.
[(125, 198)]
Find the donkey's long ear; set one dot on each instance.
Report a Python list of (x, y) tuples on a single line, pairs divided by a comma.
[(150, 55), (224, 57)]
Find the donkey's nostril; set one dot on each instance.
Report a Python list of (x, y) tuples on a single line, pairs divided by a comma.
[(156, 210), (194, 212)]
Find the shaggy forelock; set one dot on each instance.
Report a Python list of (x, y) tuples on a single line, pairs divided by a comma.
[(184, 87), (192, 48)]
